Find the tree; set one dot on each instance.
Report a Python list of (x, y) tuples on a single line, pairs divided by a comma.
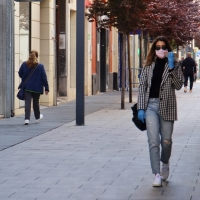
[(179, 20), (125, 15)]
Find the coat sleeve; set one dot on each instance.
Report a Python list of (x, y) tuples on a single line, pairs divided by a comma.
[(142, 89), (177, 77), (21, 71), (44, 79)]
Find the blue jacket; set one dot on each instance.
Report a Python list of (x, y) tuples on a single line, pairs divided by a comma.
[(37, 81)]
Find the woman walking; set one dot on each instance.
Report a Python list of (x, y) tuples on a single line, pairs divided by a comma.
[(34, 86), (159, 79)]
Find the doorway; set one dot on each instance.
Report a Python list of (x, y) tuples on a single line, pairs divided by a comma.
[(104, 60), (61, 48)]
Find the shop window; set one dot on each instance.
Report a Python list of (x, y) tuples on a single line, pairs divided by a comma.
[(24, 31)]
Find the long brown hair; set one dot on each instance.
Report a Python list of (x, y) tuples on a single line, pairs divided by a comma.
[(152, 55), (32, 59)]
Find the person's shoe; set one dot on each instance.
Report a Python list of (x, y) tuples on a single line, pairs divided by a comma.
[(157, 181), (190, 91), (165, 171), (26, 122), (185, 90), (41, 117)]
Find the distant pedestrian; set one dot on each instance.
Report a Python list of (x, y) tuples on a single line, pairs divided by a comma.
[(35, 85), (160, 77), (189, 71)]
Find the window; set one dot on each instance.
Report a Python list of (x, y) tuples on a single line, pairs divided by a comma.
[(24, 31)]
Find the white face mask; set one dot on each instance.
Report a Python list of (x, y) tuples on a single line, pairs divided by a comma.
[(161, 53)]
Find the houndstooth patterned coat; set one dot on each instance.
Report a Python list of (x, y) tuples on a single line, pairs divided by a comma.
[(171, 81)]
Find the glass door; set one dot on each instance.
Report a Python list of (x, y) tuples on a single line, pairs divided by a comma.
[(24, 33)]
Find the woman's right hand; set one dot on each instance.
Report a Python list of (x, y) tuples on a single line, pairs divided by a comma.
[(46, 92), (141, 115)]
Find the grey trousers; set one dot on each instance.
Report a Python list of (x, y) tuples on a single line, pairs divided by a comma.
[(159, 132), (36, 106)]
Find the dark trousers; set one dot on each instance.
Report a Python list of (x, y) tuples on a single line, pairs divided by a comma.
[(191, 80), (36, 106)]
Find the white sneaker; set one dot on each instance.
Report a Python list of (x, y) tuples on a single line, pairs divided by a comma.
[(26, 122), (158, 181), (185, 89), (41, 117), (165, 171)]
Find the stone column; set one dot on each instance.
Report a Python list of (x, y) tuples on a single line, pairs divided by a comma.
[(6, 57), (47, 35)]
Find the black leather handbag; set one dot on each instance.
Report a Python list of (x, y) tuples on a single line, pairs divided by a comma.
[(20, 94), (140, 125)]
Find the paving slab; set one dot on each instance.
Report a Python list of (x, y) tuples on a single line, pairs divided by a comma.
[(108, 159), (13, 131)]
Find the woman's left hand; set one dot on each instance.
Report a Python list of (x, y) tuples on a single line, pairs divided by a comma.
[(46, 92)]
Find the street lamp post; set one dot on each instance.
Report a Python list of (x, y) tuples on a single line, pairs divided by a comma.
[(80, 63)]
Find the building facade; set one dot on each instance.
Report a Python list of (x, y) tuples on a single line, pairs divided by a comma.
[(35, 30), (49, 27)]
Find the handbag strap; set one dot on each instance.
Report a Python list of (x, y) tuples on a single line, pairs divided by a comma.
[(29, 76)]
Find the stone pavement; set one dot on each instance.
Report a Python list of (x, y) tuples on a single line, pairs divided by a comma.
[(12, 131), (107, 159)]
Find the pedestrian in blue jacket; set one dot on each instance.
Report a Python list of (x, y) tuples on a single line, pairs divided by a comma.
[(35, 85)]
